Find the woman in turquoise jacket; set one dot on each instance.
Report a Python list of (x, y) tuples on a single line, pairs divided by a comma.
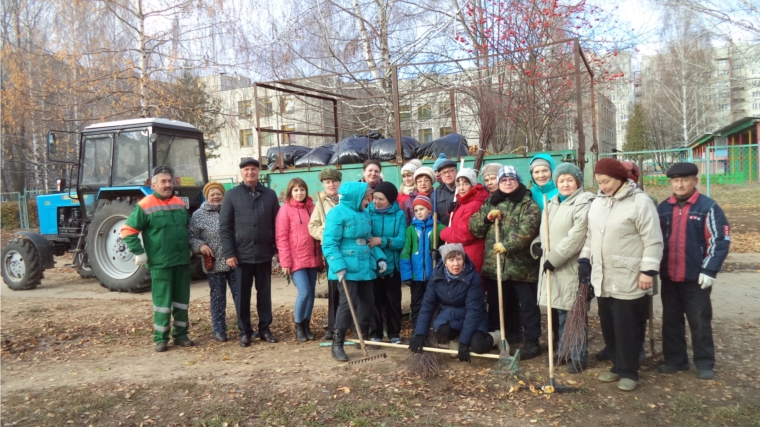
[(346, 247), (389, 234), (541, 169)]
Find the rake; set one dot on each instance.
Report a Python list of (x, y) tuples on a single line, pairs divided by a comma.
[(367, 357)]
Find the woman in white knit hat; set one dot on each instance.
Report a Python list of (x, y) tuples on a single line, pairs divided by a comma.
[(407, 180), (424, 178)]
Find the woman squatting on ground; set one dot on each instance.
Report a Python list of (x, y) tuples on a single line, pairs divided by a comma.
[(203, 234), (300, 255), (621, 256), (350, 258)]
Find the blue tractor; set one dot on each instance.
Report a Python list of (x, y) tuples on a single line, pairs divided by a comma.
[(111, 175)]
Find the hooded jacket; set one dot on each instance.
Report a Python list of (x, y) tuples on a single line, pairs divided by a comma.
[(458, 230), (416, 259), (516, 231), (549, 189), (247, 224), (347, 229), (204, 230), (296, 248), (568, 222), (461, 303), (623, 239), (391, 228), (322, 206)]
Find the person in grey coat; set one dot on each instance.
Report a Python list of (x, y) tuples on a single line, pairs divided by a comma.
[(246, 227), (203, 234)]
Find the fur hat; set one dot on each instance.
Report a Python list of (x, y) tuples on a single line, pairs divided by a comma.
[(212, 185), (490, 169), (611, 168), (470, 174), (423, 201), (330, 173), (424, 170), (388, 189)]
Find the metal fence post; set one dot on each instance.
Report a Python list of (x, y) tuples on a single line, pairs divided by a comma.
[(708, 170)]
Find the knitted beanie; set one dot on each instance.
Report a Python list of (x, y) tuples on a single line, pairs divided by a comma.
[(412, 166), (490, 169), (470, 174), (451, 247), (388, 190), (611, 168), (212, 185), (422, 201), (568, 169), (424, 170), (441, 158), (540, 162), (509, 172), (633, 170)]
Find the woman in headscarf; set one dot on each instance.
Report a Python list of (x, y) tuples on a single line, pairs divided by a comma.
[(541, 167), (203, 233)]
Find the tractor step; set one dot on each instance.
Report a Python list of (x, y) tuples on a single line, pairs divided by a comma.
[(75, 251), (69, 266)]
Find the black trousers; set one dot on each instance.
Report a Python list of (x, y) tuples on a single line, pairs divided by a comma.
[(363, 299), (333, 300), (526, 294), (511, 315), (621, 331), (481, 343), (417, 289), (245, 275), (688, 299), (387, 292)]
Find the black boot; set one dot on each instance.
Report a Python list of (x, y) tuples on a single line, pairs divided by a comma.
[(604, 354), (300, 333), (328, 336), (530, 349), (307, 329), (337, 346)]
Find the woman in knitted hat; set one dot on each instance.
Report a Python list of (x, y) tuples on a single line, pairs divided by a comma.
[(203, 233), (568, 220), (388, 231), (455, 287), (469, 198), (424, 178), (620, 257), (490, 174), (541, 167), (520, 219), (407, 178)]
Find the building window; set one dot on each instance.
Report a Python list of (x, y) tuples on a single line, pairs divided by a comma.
[(756, 106), (289, 139), (246, 137), (724, 107), (624, 117), (445, 108), (613, 97), (755, 71), (406, 132), (405, 113), (426, 135), (424, 112), (755, 82), (723, 95), (721, 72), (624, 127), (245, 109), (287, 104), (756, 94), (265, 107), (444, 131), (268, 138)]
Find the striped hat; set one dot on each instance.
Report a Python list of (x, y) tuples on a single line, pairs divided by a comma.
[(509, 172), (422, 201)]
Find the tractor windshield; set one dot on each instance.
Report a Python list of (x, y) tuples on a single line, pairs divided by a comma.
[(183, 155), (130, 158)]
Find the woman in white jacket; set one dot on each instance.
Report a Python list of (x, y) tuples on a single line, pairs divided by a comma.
[(622, 255), (568, 220)]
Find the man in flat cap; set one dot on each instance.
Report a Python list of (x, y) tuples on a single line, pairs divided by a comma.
[(246, 228), (696, 238)]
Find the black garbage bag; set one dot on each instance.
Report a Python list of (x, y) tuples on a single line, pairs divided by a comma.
[(385, 149), (453, 145), (290, 153), (319, 156), (352, 150)]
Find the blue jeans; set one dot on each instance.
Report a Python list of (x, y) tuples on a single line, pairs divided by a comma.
[(305, 281), (578, 355)]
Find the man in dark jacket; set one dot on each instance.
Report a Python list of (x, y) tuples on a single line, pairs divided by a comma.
[(246, 228), (696, 237), (446, 191)]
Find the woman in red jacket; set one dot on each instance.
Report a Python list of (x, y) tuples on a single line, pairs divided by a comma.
[(300, 255), (469, 198)]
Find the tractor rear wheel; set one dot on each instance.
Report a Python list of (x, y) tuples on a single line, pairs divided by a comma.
[(110, 258), (21, 265)]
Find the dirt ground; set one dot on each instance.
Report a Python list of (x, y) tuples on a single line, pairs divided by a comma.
[(74, 353)]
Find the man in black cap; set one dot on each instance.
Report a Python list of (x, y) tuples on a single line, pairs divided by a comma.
[(246, 228), (696, 237), (446, 191)]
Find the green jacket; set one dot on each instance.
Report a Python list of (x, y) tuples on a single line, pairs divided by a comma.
[(517, 230), (163, 225)]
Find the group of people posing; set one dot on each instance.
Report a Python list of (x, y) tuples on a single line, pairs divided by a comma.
[(442, 242)]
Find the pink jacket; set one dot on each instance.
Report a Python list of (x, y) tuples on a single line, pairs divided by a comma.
[(297, 249)]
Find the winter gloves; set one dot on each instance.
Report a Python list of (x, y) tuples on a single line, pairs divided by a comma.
[(416, 343), (706, 281), (584, 270), (498, 248), (381, 267), (141, 259), (341, 274), (464, 353), (548, 266), (537, 251), (493, 215)]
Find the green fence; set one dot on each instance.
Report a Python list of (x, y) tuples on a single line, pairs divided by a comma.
[(19, 210)]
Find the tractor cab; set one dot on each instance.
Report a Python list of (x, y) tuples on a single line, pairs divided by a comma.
[(112, 174)]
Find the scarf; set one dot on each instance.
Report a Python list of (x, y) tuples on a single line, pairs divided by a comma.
[(514, 197), (209, 207), (407, 190), (538, 192), (449, 276), (383, 210)]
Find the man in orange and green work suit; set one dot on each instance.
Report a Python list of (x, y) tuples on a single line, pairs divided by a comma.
[(162, 219)]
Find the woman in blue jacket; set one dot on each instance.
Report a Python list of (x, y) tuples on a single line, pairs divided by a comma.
[(541, 169), (346, 247), (388, 233), (455, 286)]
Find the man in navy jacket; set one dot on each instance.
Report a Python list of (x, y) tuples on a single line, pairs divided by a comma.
[(696, 235)]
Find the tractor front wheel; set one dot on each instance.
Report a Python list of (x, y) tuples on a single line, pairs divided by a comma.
[(21, 265), (110, 258)]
